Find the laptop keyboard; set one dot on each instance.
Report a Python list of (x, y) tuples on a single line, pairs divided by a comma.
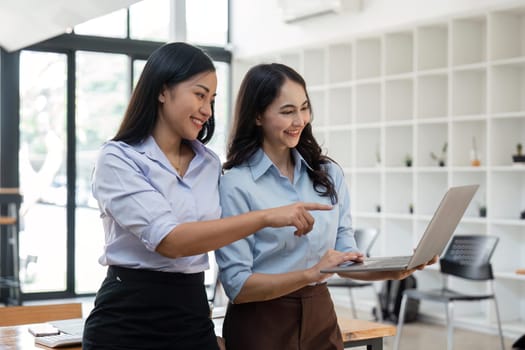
[(388, 261)]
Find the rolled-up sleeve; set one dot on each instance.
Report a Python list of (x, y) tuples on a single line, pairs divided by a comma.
[(125, 194), (236, 259)]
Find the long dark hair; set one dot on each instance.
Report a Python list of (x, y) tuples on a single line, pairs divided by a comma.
[(167, 66), (259, 88)]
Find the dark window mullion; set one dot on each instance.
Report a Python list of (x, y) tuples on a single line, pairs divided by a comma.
[(71, 170)]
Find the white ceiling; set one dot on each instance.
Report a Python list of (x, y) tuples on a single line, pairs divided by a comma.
[(26, 22)]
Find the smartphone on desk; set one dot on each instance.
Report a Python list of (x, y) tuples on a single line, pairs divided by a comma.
[(43, 329)]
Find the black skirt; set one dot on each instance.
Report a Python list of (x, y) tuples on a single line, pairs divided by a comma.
[(143, 309)]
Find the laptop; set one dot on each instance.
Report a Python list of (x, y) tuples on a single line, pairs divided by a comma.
[(437, 234)]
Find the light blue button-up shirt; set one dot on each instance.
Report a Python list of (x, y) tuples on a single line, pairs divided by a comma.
[(258, 184), (142, 198)]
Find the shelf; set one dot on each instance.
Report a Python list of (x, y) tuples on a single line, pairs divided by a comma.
[(340, 105), (399, 100), (508, 88), (368, 103), (507, 34), (340, 67), (317, 103), (340, 147), (314, 63), (398, 193), (398, 53), (463, 135), (432, 46), (378, 98), (368, 58), (368, 142), (435, 136), (469, 40), (507, 133), (432, 96), (509, 194), (469, 92), (508, 222), (293, 60), (509, 276), (371, 170), (368, 192), (401, 136)]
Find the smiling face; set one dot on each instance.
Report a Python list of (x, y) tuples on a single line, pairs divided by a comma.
[(285, 118), (185, 107)]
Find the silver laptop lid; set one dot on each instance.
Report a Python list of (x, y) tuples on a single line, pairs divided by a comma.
[(443, 224)]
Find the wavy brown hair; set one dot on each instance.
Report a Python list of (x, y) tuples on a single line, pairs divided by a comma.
[(259, 88)]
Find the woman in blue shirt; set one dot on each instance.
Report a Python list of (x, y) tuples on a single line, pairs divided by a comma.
[(157, 188), (280, 300)]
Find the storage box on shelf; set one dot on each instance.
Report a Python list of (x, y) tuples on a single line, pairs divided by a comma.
[(458, 82)]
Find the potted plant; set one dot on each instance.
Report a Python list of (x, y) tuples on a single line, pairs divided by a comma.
[(482, 211), (441, 159), (519, 157), (408, 160)]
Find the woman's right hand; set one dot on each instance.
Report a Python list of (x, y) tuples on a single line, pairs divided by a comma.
[(332, 258), (296, 214)]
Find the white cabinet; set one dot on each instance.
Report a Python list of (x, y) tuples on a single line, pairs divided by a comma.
[(454, 88)]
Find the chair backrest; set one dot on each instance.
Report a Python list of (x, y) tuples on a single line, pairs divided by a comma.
[(365, 239), (17, 315), (468, 256)]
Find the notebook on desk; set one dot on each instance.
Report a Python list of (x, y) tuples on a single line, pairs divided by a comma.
[(437, 234), (70, 333)]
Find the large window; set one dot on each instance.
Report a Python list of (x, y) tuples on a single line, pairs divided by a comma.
[(73, 94)]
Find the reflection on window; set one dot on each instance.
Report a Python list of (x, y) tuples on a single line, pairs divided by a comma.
[(150, 20), (111, 25), (207, 22), (138, 67), (42, 171), (218, 142), (102, 96)]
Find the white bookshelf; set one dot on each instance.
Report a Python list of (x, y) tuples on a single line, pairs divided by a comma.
[(380, 97)]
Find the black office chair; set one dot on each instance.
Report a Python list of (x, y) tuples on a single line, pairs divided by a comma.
[(365, 239), (467, 256)]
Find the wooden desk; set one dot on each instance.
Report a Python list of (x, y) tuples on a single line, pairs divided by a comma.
[(360, 333), (355, 333), (19, 338)]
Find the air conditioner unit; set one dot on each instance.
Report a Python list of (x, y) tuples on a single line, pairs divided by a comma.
[(298, 10)]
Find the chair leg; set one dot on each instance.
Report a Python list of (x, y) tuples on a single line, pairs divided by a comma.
[(499, 324), (352, 302), (450, 325), (378, 306), (400, 321)]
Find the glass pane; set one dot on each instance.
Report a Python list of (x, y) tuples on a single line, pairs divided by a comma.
[(102, 95), (150, 20), (42, 171), (138, 67), (222, 110), (201, 15), (112, 25)]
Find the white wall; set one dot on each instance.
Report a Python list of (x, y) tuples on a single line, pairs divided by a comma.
[(258, 28)]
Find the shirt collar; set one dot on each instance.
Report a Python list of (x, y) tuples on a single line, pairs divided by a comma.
[(260, 163), (151, 149)]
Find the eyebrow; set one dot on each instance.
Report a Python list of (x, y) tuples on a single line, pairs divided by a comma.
[(205, 88), (289, 105)]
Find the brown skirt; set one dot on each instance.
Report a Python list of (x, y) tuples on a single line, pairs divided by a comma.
[(304, 319)]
